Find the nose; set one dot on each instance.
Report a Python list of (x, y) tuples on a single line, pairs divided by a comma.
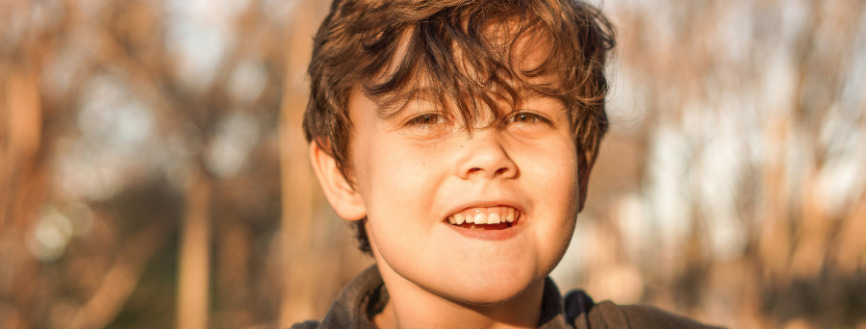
[(484, 155)]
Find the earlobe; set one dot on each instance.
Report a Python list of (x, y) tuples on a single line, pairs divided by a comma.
[(340, 194)]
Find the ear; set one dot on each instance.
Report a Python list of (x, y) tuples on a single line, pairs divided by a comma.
[(341, 195), (584, 168)]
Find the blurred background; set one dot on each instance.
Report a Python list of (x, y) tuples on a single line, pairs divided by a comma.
[(153, 173)]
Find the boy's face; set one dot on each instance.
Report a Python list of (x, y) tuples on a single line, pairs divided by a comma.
[(416, 171)]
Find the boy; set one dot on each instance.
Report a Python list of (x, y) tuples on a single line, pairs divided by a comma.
[(458, 135)]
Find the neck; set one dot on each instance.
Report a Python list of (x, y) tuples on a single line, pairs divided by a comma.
[(411, 306)]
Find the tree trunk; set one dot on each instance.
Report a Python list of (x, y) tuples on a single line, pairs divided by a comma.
[(194, 259)]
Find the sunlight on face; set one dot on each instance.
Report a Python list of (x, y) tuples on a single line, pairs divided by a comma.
[(418, 170)]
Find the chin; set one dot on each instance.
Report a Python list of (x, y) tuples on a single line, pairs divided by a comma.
[(486, 298), (490, 292)]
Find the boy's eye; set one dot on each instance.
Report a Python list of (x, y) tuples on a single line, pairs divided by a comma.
[(427, 119), (426, 126), (526, 118)]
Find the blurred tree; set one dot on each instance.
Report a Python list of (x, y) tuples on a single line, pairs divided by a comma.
[(140, 143)]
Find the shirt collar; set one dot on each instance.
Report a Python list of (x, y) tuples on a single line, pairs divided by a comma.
[(366, 296)]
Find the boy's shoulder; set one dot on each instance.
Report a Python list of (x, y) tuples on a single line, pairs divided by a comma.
[(582, 313), (366, 295)]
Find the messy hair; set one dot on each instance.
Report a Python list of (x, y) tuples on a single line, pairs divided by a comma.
[(464, 52)]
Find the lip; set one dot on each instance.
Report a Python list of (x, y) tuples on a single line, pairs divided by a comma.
[(491, 235)]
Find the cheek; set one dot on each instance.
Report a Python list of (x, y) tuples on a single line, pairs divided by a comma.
[(552, 169), (397, 180), (554, 176)]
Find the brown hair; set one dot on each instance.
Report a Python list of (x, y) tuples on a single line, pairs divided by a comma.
[(462, 51)]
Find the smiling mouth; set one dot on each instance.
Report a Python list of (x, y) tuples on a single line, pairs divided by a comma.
[(487, 218)]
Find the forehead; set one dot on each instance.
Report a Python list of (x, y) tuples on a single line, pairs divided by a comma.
[(462, 76)]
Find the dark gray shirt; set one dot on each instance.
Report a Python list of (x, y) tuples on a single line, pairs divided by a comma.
[(366, 296)]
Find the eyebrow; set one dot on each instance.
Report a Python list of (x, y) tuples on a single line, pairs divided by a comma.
[(392, 104)]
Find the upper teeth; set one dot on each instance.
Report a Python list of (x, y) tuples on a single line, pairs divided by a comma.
[(492, 215)]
